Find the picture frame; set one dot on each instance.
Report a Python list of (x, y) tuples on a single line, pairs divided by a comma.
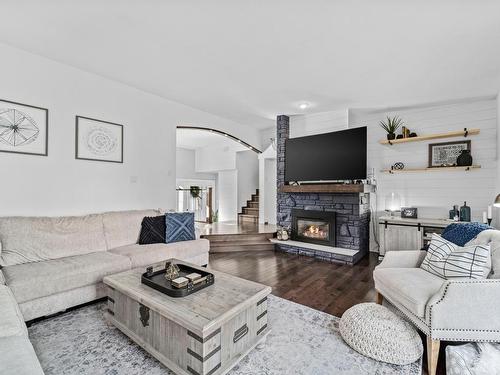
[(445, 154), (98, 140), (24, 128), (409, 212)]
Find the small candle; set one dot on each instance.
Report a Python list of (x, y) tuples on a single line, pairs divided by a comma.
[(490, 213), (485, 220)]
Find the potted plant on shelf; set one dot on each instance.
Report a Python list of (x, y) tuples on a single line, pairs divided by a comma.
[(391, 125)]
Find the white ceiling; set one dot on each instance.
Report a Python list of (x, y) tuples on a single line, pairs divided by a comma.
[(193, 139), (251, 60)]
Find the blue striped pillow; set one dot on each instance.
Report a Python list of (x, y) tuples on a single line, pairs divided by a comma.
[(450, 261)]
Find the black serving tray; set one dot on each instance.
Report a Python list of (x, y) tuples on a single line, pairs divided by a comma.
[(156, 280)]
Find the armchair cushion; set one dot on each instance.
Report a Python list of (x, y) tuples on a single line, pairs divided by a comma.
[(410, 287)]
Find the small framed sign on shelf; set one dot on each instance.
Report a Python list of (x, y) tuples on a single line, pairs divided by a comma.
[(445, 154), (409, 212)]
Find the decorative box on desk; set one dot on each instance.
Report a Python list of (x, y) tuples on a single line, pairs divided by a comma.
[(396, 233)]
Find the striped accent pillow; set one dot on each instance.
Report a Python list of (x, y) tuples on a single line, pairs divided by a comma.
[(450, 261)]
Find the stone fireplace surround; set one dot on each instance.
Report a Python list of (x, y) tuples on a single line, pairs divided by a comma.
[(352, 213)]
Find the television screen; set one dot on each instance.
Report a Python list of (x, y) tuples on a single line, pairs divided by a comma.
[(333, 156)]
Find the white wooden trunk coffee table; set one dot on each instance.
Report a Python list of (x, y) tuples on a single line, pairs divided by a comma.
[(205, 333)]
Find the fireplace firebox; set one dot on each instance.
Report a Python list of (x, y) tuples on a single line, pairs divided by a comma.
[(314, 226)]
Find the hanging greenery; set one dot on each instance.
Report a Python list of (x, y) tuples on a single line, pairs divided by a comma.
[(195, 191)]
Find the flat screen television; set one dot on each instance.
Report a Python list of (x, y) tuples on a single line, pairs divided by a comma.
[(333, 156)]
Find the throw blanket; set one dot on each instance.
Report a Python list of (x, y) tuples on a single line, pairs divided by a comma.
[(461, 233)]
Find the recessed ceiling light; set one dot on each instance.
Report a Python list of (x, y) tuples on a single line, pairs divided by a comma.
[(303, 105)]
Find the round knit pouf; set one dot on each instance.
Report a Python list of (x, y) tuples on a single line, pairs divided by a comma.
[(375, 331)]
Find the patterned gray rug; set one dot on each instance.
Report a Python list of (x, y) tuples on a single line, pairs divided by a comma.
[(302, 341)]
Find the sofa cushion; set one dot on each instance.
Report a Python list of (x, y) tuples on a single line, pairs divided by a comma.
[(152, 230), (11, 319), (18, 357), (34, 239), (145, 255), (40, 279), (411, 287), (123, 227), (179, 227)]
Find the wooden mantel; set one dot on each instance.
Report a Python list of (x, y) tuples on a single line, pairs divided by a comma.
[(327, 188)]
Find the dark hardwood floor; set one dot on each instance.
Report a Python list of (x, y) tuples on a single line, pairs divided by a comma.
[(323, 286)]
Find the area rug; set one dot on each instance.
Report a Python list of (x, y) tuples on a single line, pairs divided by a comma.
[(302, 341)]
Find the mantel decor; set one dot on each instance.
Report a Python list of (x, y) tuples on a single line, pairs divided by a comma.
[(98, 140), (23, 128)]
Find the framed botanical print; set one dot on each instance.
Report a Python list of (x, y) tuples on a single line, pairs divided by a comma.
[(445, 154), (98, 140), (23, 128)]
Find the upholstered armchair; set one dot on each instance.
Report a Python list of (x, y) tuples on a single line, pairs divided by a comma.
[(449, 310)]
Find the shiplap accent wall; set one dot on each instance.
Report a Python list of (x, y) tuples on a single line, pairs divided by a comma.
[(432, 192)]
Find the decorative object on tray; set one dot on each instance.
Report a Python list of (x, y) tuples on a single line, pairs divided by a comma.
[(152, 230), (98, 140), (464, 159), (179, 227), (376, 332), (445, 154), (409, 212), (186, 282), (398, 166), (23, 128), (171, 271), (391, 125), (413, 135)]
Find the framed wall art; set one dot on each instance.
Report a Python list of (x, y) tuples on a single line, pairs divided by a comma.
[(445, 154), (98, 140), (24, 129)]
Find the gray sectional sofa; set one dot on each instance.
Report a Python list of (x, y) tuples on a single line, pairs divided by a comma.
[(51, 264)]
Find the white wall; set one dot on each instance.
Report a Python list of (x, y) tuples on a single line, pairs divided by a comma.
[(185, 166), (247, 164), (215, 158), (318, 123), (59, 184), (433, 193), (227, 183)]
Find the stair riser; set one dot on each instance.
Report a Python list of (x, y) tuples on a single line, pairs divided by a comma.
[(252, 204), (235, 248), (251, 211)]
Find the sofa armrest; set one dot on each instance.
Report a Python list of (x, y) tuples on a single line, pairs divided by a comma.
[(466, 310), (403, 259)]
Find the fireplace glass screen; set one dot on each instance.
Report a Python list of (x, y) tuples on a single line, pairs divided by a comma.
[(313, 229)]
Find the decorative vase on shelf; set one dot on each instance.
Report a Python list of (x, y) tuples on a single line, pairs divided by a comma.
[(465, 212), (464, 159), (391, 136)]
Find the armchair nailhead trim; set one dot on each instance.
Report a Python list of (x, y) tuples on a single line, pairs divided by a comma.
[(486, 281)]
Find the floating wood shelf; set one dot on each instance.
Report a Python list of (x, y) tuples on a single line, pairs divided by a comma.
[(327, 188), (435, 169), (459, 133)]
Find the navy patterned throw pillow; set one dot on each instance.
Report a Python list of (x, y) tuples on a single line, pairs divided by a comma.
[(179, 226), (152, 230), (461, 233)]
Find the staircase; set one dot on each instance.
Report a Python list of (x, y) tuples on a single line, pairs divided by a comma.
[(250, 213)]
